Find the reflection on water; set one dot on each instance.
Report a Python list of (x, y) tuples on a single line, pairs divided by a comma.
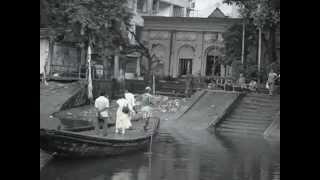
[(180, 155)]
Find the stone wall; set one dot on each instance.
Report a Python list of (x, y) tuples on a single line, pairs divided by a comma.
[(172, 38), (78, 99), (44, 53)]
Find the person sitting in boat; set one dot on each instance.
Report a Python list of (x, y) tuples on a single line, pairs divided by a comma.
[(102, 105), (146, 106), (123, 120)]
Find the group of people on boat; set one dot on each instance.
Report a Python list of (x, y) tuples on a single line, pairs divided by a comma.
[(125, 112)]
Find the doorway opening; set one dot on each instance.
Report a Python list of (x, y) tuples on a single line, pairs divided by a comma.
[(185, 66), (213, 66)]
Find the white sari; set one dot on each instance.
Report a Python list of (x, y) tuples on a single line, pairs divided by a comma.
[(123, 120)]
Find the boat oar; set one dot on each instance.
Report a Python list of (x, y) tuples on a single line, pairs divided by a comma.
[(151, 139)]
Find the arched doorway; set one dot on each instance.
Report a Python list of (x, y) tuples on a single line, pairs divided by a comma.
[(213, 61), (186, 56)]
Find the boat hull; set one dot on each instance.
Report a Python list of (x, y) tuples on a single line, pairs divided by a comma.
[(74, 145)]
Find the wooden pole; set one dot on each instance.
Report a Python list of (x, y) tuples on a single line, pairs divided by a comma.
[(259, 56), (243, 38), (153, 84), (90, 95)]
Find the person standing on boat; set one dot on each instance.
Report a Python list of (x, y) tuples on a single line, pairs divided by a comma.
[(131, 100), (102, 105), (123, 120), (146, 106)]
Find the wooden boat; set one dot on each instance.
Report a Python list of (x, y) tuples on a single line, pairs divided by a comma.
[(88, 144)]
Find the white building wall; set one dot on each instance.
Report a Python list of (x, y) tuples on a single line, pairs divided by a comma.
[(44, 53)]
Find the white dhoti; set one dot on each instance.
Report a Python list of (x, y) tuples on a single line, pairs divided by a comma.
[(146, 111)]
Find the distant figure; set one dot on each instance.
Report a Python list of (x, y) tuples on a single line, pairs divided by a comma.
[(114, 88), (99, 71), (188, 90), (272, 76), (146, 106), (121, 80), (123, 120), (242, 82), (102, 105), (253, 85), (228, 85)]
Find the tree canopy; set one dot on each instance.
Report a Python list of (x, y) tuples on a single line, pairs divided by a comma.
[(260, 12), (99, 23), (264, 14)]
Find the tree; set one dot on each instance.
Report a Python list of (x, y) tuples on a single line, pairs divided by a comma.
[(264, 15), (145, 52), (98, 23)]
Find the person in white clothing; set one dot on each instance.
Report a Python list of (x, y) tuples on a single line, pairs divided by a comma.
[(123, 120), (102, 105), (131, 100)]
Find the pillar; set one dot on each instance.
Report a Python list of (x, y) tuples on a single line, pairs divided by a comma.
[(222, 70), (138, 71), (184, 12), (116, 66), (149, 6)]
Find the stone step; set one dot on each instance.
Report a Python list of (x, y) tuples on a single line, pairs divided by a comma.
[(241, 127), (257, 103), (256, 108), (249, 119), (239, 131), (245, 110), (263, 98), (262, 107), (250, 115), (246, 124), (237, 135)]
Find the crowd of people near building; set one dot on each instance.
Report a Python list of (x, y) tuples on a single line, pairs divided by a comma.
[(244, 84)]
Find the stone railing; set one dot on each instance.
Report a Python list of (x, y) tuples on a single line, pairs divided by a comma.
[(273, 131)]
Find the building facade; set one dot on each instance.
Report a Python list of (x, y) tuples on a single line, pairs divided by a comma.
[(188, 45), (167, 8)]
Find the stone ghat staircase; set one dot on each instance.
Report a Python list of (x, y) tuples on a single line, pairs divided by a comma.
[(252, 115)]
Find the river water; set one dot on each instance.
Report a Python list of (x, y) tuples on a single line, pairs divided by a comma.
[(180, 153)]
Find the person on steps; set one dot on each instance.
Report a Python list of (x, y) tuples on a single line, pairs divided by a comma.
[(272, 76)]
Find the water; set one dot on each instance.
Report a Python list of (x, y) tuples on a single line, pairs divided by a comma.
[(180, 153)]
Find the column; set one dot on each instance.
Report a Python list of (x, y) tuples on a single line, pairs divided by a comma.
[(222, 71), (184, 12), (149, 6), (138, 71), (116, 66)]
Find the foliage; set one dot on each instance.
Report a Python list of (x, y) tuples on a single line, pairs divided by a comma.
[(264, 14), (233, 42), (98, 23)]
